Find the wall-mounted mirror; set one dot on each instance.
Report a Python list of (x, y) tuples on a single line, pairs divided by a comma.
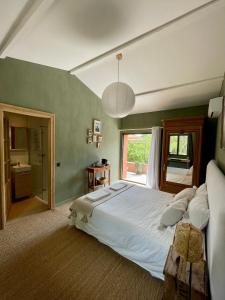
[(180, 158), (18, 138)]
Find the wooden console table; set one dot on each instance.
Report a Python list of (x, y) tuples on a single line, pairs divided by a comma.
[(93, 171)]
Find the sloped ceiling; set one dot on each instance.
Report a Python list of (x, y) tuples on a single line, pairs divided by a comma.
[(179, 65)]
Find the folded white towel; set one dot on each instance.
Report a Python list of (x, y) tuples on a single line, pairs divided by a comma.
[(117, 186), (97, 195)]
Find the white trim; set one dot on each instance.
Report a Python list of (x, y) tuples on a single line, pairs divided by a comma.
[(178, 86), (31, 11), (142, 36)]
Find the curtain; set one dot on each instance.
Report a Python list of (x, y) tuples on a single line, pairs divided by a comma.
[(153, 171)]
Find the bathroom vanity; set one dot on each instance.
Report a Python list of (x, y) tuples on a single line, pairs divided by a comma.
[(21, 181)]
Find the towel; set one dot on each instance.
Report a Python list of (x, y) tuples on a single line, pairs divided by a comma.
[(117, 186), (84, 206), (97, 195)]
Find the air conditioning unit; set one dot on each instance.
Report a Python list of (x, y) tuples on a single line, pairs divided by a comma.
[(215, 107)]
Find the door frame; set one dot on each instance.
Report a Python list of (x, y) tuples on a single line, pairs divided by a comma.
[(51, 154)]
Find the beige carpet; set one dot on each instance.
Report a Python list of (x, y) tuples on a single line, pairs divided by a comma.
[(41, 257)]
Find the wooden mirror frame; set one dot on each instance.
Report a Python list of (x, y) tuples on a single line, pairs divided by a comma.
[(184, 125)]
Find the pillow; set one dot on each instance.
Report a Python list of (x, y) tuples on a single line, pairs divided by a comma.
[(174, 212), (186, 193), (198, 211), (202, 190)]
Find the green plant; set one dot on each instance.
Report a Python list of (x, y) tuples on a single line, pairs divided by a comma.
[(139, 167), (138, 149)]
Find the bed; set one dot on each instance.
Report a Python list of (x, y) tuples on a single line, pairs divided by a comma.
[(129, 224), (179, 175)]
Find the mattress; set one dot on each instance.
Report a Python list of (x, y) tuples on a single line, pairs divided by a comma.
[(129, 224)]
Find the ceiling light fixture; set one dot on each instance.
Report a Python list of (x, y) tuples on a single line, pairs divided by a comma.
[(118, 99)]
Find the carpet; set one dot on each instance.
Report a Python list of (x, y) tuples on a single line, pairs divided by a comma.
[(42, 257)]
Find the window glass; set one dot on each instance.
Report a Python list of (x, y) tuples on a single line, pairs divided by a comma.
[(183, 145), (173, 144)]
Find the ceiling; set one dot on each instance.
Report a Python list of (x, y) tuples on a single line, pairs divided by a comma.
[(180, 64)]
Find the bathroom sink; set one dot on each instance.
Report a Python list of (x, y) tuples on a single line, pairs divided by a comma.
[(21, 168)]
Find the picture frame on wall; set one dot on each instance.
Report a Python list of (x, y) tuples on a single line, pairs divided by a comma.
[(100, 138), (223, 124), (89, 132), (97, 127), (89, 140)]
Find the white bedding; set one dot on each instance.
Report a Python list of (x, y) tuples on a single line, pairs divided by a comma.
[(129, 224)]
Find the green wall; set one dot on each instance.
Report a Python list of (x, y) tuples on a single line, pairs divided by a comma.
[(75, 106), (220, 153), (148, 120)]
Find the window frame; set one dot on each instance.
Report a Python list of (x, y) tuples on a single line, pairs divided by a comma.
[(178, 145)]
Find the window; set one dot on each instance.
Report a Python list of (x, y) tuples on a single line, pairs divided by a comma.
[(135, 155), (178, 145)]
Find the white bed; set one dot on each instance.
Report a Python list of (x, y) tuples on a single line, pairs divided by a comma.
[(129, 224)]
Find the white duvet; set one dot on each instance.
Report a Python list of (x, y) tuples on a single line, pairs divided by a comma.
[(129, 224)]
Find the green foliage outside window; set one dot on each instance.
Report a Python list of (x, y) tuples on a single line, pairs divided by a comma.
[(138, 148)]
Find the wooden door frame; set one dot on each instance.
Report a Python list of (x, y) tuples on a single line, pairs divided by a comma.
[(51, 154)]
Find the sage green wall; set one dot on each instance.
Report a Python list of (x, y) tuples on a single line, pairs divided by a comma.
[(75, 106), (220, 153), (148, 120)]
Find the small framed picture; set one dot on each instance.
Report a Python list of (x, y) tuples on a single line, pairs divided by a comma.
[(89, 132), (223, 125), (89, 139), (99, 138), (94, 138), (97, 127)]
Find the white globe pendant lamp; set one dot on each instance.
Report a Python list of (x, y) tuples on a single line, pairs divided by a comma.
[(118, 99)]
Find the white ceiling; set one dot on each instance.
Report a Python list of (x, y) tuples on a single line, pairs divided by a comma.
[(67, 33)]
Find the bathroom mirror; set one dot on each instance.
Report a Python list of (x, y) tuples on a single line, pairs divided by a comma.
[(180, 158), (18, 138)]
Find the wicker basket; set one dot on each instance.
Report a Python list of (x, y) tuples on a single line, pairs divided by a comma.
[(102, 180)]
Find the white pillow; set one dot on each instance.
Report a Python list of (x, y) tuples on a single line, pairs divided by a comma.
[(202, 191), (174, 212), (186, 193), (198, 211)]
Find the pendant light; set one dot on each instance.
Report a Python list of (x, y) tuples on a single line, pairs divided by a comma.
[(118, 98)]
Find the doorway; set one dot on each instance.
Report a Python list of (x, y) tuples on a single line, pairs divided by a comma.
[(135, 155), (27, 161)]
